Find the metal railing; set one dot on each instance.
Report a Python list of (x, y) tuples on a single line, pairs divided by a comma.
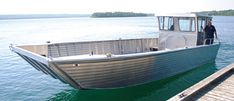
[(209, 41)]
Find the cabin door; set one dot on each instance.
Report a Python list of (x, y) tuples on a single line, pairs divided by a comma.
[(201, 33)]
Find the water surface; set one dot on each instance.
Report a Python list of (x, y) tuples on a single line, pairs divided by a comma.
[(20, 81)]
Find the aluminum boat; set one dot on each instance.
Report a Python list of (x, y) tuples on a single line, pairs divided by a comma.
[(126, 62)]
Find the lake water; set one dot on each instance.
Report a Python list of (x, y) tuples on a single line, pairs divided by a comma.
[(20, 81)]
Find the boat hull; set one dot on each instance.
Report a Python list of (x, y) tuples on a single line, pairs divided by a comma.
[(123, 72)]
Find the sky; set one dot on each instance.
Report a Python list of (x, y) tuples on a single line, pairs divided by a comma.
[(90, 6)]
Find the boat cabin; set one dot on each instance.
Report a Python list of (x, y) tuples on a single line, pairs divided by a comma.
[(181, 30)]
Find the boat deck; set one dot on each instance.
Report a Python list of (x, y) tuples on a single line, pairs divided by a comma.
[(217, 87)]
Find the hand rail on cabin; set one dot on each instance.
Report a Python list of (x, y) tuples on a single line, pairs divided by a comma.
[(210, 41)]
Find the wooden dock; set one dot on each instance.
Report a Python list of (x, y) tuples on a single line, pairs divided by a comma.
[(217, 87)]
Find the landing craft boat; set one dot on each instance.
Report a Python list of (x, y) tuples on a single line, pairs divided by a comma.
[(126, 62)]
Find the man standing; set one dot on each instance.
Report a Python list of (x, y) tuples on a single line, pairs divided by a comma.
[(210, 31)]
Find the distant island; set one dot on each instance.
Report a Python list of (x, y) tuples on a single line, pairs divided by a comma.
[(219, 13), (119, 14)]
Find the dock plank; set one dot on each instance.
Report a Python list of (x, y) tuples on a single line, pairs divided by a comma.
[(217, 87)]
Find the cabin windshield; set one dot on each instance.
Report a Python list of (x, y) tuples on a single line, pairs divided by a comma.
[(187, 24), (166, 23)]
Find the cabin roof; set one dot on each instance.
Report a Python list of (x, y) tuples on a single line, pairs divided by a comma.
[(184, 15)]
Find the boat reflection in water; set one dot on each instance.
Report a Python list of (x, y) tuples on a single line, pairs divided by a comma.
[(126, 62)]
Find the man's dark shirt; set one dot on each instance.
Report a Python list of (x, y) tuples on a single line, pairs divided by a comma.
[(210, 31)]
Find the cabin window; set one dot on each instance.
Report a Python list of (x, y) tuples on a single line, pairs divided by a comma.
[(201, 24), (187, 24), (166, 23)]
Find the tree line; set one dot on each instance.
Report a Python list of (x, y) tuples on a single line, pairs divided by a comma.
[(120, 14), (229, 12)]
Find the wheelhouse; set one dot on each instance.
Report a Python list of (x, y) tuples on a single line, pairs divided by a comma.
[(181, 30)]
